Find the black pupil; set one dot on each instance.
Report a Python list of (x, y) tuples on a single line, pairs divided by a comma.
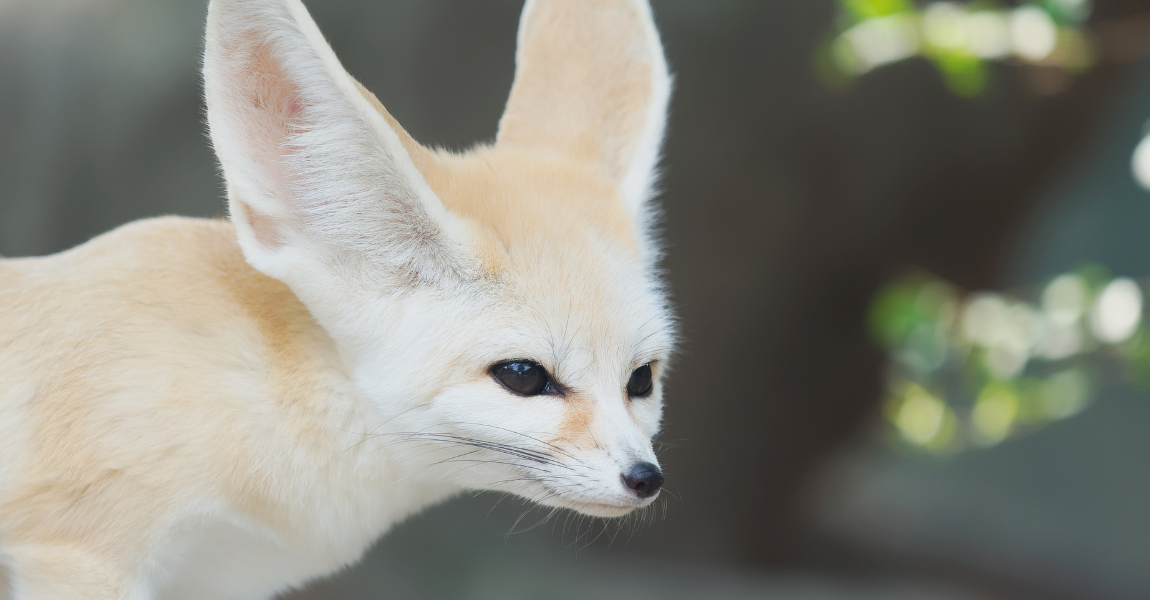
[(640, 383), (522, 377)]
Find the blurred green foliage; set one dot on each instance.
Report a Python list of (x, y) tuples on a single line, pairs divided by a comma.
[(860, 10), (960, 39), (971, 370)]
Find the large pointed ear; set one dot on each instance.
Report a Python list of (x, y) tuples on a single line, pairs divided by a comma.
[(591, 84), (318, 179)]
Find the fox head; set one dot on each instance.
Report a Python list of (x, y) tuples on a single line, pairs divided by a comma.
[(498, 310)]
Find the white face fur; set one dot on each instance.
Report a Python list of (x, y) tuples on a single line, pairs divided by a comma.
[(449, 418), (437, 297)]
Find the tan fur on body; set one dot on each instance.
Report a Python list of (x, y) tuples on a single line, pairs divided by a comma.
[(211, 409), (180, 375)]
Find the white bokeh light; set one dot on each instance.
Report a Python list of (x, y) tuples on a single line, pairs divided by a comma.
[(1033, 33), (1059, 340), (988, 34), (1064, 299), (984, 33), (876, 42), (1117, 312), (984, 318), (1141, 163), (1063, 304)]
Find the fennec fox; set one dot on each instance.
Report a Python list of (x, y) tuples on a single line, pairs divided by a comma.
[(226, 409)]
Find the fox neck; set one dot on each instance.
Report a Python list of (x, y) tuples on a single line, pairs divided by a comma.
[(347, 439)]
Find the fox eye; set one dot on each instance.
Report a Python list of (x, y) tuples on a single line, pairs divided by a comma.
[(639, 386), (523, 377)]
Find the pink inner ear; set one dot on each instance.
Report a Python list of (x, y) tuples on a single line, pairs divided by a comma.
[(268, 110), (264, 228), (273, 97)]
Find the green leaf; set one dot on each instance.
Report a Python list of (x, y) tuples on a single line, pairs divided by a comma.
[(964, 74), (861, 10)]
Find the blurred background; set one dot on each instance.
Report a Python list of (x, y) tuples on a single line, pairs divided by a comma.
[(907, 241)]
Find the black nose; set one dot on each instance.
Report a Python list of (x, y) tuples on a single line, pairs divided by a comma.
[(645, 479)]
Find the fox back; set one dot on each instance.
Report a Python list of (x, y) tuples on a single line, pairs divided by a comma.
[(227, 409)]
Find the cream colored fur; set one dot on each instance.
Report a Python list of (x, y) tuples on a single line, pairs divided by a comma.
[(207, 409)]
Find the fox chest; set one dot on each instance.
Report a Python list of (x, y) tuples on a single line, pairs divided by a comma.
[(232, 559)]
